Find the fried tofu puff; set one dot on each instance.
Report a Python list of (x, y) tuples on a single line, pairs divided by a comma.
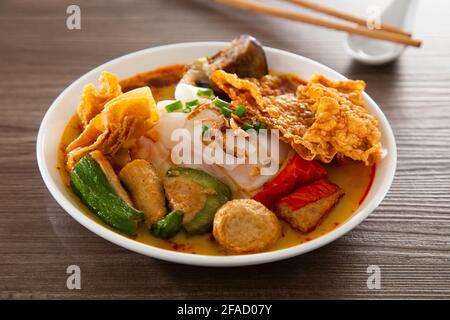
[(146, 189), (246, 226)]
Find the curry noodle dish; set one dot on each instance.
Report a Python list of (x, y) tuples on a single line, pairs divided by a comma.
[(143, 155)]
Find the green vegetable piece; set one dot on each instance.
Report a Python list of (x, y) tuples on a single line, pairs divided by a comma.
[(209, 93), (177, 105), (246, 126), (240, 110), (204, 130), (226, 112), (187, 110), (217, 192), (203, 220), (192, 103), (223, 106), (91, 185), (206, 180), (169, 226), (259, 125), (221, 103)]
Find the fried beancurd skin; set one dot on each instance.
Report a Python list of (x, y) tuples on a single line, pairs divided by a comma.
[(343, 126), (323, 120), (93, 101), (122, 121)]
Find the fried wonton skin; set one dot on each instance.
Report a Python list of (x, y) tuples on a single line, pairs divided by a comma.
[(93, 101), (122, 121), (343, 126), (323, 120)]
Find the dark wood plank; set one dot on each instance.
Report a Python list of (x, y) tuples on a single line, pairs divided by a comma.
[(408, 236)]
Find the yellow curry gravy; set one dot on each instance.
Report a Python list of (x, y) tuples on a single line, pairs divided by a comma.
[(353, 177)]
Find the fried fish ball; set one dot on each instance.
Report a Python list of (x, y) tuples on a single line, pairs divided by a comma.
[(245, 226)]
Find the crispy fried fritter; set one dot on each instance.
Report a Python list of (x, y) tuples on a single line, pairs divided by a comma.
[(326, 118), (343, 126), (93, 101), (123, 120)]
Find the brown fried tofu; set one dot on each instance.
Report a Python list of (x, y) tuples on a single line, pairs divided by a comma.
[(146, 189), (306, 207), (246, 226)]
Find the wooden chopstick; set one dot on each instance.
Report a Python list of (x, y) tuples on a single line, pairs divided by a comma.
[(344, 15), (290, 15)]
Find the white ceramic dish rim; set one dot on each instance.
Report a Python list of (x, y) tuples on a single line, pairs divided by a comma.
[(203, 260)]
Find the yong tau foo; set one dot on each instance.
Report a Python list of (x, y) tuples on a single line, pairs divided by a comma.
[(141, 154)]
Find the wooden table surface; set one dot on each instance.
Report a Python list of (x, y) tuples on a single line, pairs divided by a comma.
[(408, 236)]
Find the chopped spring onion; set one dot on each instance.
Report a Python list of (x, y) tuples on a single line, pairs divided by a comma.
[(246, 127), (204, 130), (240, 110), (192, 103), (209, 93), (226, 112), (220, 103), (187, 110), (259, 125), (223, 106), (174, 106)]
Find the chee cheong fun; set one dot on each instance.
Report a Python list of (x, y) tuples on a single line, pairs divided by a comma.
[(121, 157)]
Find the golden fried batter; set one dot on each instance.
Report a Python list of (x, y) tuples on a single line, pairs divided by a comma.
[(93, 101), (326, 118), (343, 126), (123, 120)]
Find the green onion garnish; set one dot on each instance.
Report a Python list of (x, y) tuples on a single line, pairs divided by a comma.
[(246, 127), (174, 106), (220, 103), (240, 110), (187, 110), (205, 93), (192, 103), (204, 130), (223, 106), (226, 111), (259, 125)]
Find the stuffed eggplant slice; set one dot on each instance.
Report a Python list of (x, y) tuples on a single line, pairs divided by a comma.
[(142, 181), (197, 194)]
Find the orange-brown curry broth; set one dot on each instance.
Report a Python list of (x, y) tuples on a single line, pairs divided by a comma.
[(353, 177)]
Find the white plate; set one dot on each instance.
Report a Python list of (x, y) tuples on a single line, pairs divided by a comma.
[(65, 105)]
